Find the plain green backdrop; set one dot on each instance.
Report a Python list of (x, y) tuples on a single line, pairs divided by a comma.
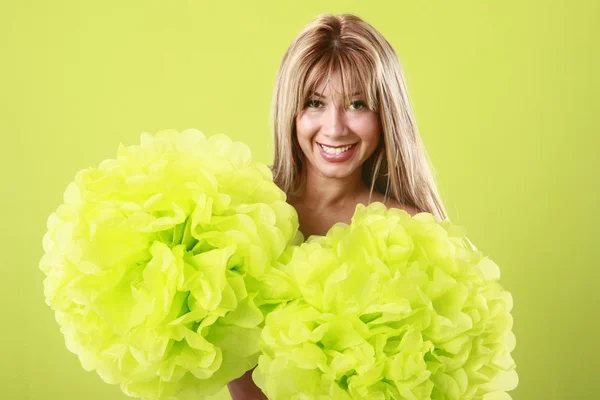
[(506, 99)]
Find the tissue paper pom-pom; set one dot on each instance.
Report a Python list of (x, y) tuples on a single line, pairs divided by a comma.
[(392, 307), (159, 263)]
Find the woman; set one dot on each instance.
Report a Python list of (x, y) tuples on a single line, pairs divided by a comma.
[(344, 133)]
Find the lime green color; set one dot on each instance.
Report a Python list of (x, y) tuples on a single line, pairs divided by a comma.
[(505, 95), (159, 261), (391, 307)]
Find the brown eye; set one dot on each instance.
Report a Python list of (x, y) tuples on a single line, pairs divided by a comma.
[(312, 103)]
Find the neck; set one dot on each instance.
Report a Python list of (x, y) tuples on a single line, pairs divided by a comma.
[(320, 192)]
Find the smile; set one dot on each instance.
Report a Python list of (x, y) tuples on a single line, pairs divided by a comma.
[(336, 150)]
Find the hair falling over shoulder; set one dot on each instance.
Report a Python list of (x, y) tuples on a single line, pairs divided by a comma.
[(346, 44)]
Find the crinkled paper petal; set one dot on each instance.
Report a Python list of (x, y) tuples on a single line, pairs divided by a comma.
[(159, 263), (391, 306)]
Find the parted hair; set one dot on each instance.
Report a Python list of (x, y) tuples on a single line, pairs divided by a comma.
[(347, 45)]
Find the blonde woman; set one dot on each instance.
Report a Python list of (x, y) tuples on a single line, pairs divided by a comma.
[(344, 133)]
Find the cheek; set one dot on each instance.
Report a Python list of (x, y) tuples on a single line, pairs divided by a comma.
[(373, 136), (303, 138), (376, 130), (370, 131), (371, 146), (377, 138), (304, 130)]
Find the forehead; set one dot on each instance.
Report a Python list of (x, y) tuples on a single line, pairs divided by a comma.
[(334, 85)]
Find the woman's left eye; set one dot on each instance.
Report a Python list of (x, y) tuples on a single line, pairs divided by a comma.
[(358, 104)]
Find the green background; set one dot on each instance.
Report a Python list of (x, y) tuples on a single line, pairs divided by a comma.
[(506, 99)]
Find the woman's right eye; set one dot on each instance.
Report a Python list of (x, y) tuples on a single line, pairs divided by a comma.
[(312, 103)]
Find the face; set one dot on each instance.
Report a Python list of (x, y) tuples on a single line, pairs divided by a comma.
[(336, 138)]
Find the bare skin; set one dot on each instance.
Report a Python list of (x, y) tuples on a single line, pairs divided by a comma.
[(317, 221), (244, 388)]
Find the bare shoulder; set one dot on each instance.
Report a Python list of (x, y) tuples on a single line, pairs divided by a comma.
[(412, 211), (391, 203)]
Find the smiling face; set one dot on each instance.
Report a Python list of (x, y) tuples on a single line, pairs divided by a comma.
[(336, 138)]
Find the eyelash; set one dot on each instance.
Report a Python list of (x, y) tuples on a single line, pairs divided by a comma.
[(309, 102)]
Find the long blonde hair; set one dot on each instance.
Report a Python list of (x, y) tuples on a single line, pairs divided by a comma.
[(345, 44)]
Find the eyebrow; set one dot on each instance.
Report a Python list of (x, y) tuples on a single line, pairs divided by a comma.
[(320, 95)]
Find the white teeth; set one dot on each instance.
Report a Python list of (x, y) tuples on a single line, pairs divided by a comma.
[(332, 150)]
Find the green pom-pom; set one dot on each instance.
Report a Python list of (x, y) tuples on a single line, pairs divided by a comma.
[(392, 307), (159, 264)]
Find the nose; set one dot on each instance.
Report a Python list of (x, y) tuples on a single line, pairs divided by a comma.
[(334, 121)]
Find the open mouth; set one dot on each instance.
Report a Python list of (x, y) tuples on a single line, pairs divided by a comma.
[(336, 150)]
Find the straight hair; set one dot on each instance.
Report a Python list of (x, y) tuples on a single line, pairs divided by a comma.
[(345, 44)]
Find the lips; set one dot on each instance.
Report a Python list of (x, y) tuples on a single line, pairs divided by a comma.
[(336, 157)]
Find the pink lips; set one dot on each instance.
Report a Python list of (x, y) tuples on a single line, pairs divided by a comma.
[(336, 158)]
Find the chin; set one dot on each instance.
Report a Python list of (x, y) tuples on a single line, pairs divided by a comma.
[(335, 171)]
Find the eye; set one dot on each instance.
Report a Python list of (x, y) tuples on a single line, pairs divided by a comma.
[(358, 104), (312, 103)]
